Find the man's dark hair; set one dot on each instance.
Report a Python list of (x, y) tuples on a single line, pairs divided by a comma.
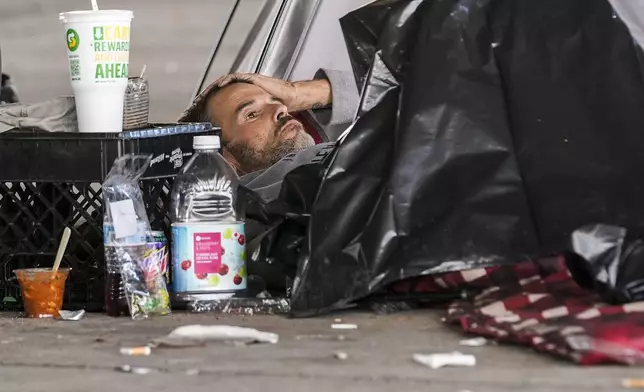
[(204, 114)]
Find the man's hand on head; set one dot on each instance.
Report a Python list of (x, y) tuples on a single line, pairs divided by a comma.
[(297, 96), (280, 89)]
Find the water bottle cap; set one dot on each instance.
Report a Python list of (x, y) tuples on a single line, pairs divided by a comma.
[(206, 142)]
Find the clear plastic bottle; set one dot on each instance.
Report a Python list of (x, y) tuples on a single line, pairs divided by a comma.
[(121, 197), (208, 238)]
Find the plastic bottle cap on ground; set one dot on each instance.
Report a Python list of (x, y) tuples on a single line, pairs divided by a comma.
[(206, 142)]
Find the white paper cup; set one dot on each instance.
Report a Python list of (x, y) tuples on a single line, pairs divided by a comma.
[(98, 50)]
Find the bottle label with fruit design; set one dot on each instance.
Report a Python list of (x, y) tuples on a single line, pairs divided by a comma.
[(208, 257)]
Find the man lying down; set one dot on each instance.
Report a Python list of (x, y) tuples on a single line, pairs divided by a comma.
[(261, 138)]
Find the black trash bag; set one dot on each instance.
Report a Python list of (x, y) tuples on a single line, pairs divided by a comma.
[(608, 260), (567, 67), (276, 230), (427, 177), (489, 130)]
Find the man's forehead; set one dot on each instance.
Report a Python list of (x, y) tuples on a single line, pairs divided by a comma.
[(238, 93)]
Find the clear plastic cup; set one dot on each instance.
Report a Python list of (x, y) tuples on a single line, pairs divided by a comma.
[(137, 104), (42, 291)]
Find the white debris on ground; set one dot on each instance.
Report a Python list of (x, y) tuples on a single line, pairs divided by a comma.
[(196, 335), (439, 360), (341, 355), (134, 370), (474, 342), (72, 315), (344, 326)]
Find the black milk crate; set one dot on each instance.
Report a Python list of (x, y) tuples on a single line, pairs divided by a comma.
[(49, 181)]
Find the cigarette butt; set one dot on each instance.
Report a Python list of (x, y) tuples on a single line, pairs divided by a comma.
[(344, 326), (136, 351), (633, 383)]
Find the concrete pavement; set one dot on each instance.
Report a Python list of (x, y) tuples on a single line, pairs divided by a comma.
[(39, 355), (174, 39)]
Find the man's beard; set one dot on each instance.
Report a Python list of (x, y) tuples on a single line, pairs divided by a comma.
[(251, 160)]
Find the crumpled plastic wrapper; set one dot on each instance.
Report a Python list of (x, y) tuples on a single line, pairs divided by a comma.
[(69, 315), (126, 215)]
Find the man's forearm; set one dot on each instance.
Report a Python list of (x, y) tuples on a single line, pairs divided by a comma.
[(312, 94), (345, 99)]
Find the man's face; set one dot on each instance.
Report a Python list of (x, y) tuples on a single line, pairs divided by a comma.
[(256, 128)]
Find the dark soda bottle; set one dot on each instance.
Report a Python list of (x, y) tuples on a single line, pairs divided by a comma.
[(115, 300)]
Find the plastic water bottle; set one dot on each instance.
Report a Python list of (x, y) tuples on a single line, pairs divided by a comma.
[(208, 238)]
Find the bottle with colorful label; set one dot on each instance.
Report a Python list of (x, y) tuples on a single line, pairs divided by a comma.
[(208, 238)]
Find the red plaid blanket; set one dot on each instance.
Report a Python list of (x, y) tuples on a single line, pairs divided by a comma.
[(540, 305)]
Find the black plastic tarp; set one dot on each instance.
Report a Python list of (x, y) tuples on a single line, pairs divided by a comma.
[(608, 260), (489, 130)]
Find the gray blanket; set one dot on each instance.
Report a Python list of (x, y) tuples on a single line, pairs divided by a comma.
[(54, 115)]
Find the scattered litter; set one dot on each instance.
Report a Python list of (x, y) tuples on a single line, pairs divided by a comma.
[(192, 372), (474, 342), (198, 335), (436, 361), (71, 315), (338, 320), (134, 370), (341, 355), (136, 351), (344, 326), (245, 306), (633, 383)]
